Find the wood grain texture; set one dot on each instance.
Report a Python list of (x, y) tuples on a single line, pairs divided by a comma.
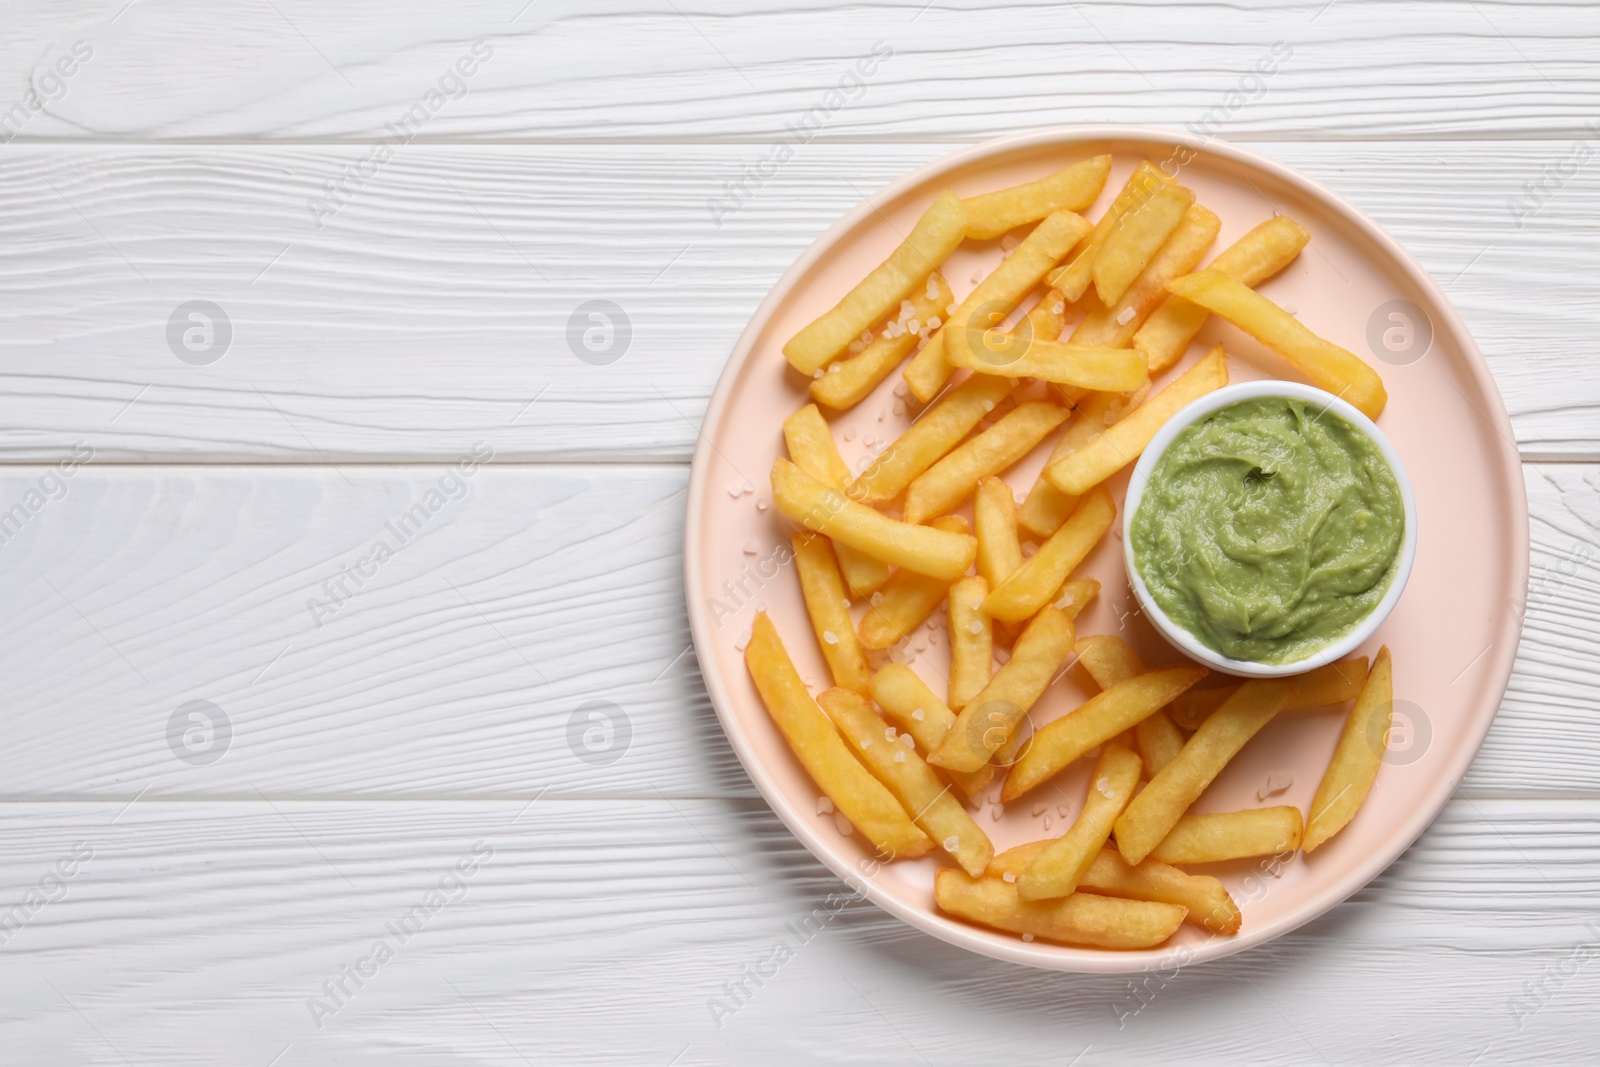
[(434, 308), (604, 931), (956, 70), (457, 667)]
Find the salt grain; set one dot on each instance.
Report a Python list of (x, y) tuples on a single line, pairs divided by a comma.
[(850, 433), (842, 824), (952, 843), (932, 291), (934, 323), (914, 326), (1009, 876), (735, 491), (856, 346), (899, 757), (742, 640), (889, 733), (1125, 316), (1038, 810), (900, 389), (994, 813), (1277, 782), (1027, 937), (866, 337), (763, 504), (975, 626), (899, 407), (817, 373), (1047, 822), (908, 741), (1060, 308), (877, 598), (752, 546), (824, 806), (1291, 309), (977, 276), (1103, 786), (917, 715), (988, 405), (830, 637)]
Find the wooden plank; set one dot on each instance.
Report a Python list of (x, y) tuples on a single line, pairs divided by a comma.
[(458, 666), (958, 70), (606, 931), (436, 306)]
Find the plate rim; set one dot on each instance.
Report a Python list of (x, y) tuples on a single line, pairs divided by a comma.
[(1044, 955)]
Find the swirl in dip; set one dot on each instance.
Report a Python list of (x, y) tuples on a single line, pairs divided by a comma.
[(1269, 529)]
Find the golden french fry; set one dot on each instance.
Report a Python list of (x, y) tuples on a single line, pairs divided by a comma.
[(1074, 278), (1063, 863), (994, 520), (991, 717), (1231, 835), (848, 382), (1157, 809), (1354, 767), (1047, 507), (939, 429), (1075, 596), (929, 800), (1072, 189), (1108, 659), (1033, 584), (1121, 444), (1333, 683), (1115, 324), (1120, 370), (934, 237), (907, 599), (811, 446), (1252, 259), (1095, 721), (971, 640), (1210, 907), (951, 480), (936, 553), (993, 299), (1131, 246), (823, 589), (1159, 741), (870, 807), (1081, 919), (1329, 367), (908, 702)]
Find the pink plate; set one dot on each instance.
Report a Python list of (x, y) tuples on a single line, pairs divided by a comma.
[(1454, 633)]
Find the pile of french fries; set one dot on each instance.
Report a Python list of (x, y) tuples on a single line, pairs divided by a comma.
[(907, 766)]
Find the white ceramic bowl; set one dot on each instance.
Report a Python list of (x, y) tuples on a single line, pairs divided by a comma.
[(1181, 638)]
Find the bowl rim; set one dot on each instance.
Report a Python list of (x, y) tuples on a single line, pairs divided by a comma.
[(1044, 955), (1215, 401)]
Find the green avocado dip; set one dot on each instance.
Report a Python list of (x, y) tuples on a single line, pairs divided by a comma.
[(1269, 529)]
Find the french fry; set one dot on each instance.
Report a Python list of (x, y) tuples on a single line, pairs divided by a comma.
[(1231, 835), (994, 520), (1033, 584), (870, 807), (1119, 370), (971, 640), (1354, 767), (908, 702), (1075, 595), (1252, 259), (1047, 507), (907, 599), (936, 234), (811, 446), (1157, 809), (823, 589), (1109, 661), (1046, 319), (1057, 870), (1329, 367), (991, 214), (1074, 278), (993, 299), (1121, 444), (935, 433), (847, 382), (1210, 907), (1095, 721), (1115, 324), (1081, 919), (819, 507), (951, 480), (1131, 246), (1332, 683), (929, 800), (993, 716)]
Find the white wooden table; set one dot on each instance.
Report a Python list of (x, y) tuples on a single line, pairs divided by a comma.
[(393, 304)]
